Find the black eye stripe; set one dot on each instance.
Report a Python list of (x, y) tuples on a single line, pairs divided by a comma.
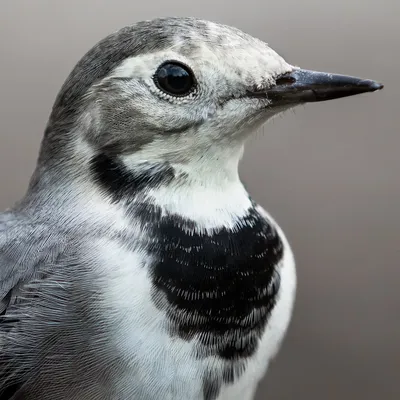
[(175, 79)]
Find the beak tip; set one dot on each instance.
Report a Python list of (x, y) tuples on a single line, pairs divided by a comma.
[(374, 86)]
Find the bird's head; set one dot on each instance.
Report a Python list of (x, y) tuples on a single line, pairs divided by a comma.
[(176, 97)]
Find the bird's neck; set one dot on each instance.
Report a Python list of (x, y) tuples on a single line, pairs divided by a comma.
[(208, 191), (209, 206), (210, 194)]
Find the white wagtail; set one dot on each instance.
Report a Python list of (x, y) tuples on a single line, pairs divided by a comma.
[(137, 266)]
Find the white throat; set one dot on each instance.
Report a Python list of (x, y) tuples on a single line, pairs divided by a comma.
[(211, 193)]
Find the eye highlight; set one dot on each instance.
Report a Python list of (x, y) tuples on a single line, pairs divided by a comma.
[(175, 79)]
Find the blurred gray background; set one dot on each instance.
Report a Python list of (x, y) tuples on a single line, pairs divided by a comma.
[(329, 173)]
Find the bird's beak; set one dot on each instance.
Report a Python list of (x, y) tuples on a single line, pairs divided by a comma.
[(303, 86)]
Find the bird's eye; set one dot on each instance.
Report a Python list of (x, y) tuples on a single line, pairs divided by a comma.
[(175, 78)]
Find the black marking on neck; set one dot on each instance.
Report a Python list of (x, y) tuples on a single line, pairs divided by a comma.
[(219, 288), (119, 182)]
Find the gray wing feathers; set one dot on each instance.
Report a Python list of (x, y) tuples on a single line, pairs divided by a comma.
[(25, 244), (26, 247)]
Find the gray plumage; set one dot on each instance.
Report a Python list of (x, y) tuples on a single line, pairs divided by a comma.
[(137, 266)]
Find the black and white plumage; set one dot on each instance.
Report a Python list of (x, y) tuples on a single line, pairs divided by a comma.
[(137, 266)]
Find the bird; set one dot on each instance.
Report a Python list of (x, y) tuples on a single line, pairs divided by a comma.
[(137, 266)]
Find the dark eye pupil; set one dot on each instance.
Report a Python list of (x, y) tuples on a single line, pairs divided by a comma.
[(175, 79)]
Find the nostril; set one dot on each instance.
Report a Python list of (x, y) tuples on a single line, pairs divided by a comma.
[(285, 80)]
